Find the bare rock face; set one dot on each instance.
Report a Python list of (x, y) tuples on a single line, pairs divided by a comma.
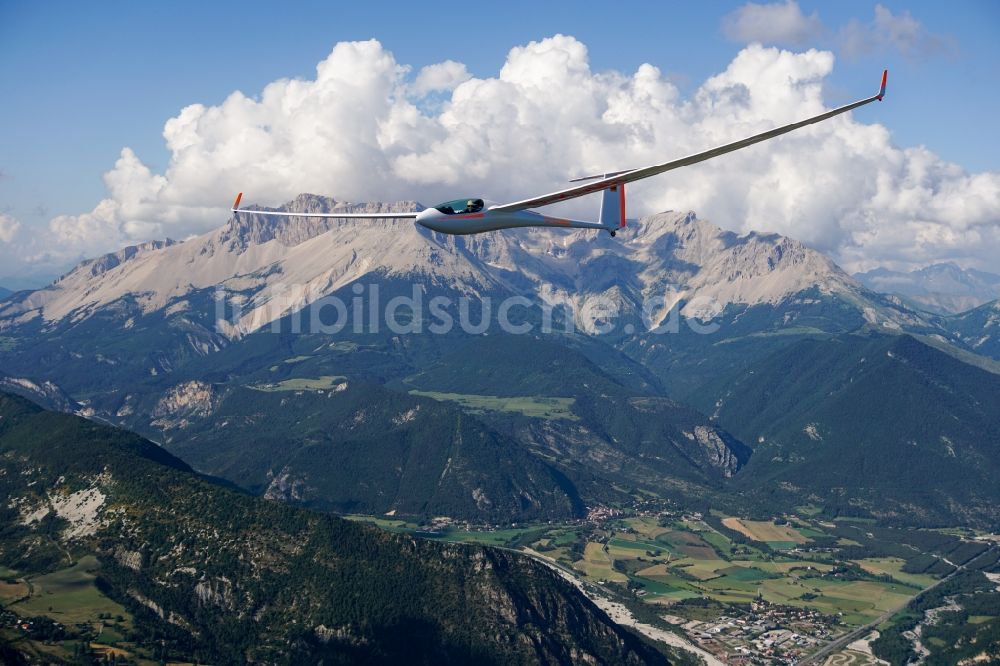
[(104, 263), (128, 558), (716, 450), (286, 487), (215, 592), (194, 397), (190, 399)]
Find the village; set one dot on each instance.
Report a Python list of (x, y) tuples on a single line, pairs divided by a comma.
[(767, 633)]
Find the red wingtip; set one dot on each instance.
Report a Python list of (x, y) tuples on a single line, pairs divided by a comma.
[(881, 89), (236, 204)]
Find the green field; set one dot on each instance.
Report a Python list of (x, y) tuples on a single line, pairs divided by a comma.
[(496, 537), (534, 406), (323, 383), (390, 524), (493, 537), (297, 359), (343, 346), (893, 566), (597, 564), (647, 527), (69, 596)]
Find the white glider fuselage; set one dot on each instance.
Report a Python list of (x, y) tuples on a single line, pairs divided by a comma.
[(477, 216)]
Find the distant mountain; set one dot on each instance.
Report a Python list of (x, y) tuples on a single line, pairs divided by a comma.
[(4, 293), (211, 575), (942, 288), (979, 328), (883, 425)]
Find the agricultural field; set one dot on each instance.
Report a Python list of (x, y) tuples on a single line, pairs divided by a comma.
[(13, 589), (533, 406), (69, 596), (893, 566), (681, 560), (783, 537), (324, 383), (597, 564)]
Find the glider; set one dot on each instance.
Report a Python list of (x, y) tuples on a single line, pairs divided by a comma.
[(475, 215)]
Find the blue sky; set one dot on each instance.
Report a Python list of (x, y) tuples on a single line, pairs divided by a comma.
[(83, 80)]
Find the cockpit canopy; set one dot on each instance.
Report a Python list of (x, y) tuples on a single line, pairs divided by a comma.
[(461, 206)]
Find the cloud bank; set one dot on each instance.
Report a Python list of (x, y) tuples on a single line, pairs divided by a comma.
[(362, 130)]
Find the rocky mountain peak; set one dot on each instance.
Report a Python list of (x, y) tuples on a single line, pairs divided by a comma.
[(945, 288), (104, 263)]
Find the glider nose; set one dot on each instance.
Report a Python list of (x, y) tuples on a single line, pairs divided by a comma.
[(425, 216)]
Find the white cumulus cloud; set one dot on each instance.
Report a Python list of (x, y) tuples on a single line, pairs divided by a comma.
[(9, 227), (358, 131), (777, 23), (440, 76)]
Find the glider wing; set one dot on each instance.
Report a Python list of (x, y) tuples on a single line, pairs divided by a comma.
[(358, 216), (599, 183)]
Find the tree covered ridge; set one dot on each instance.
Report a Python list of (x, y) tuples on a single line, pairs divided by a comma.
[(225, 577)]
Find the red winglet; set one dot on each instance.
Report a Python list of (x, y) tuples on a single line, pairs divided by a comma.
[(881, 90), (236, 204)]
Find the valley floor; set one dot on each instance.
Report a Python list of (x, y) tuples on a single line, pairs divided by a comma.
[(731, 590)]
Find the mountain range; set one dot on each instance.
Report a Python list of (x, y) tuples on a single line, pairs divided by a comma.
[(619, 401), (940, 288)]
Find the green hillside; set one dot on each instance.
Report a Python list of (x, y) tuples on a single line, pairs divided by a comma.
[(885, 425), (509, 365), (361, 448), (978, 328), (213, 575)]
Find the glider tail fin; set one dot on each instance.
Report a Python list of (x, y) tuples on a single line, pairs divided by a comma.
[(612, 215)]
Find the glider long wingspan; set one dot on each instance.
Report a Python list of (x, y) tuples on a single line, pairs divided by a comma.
[(622, 177), (334, 215)]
